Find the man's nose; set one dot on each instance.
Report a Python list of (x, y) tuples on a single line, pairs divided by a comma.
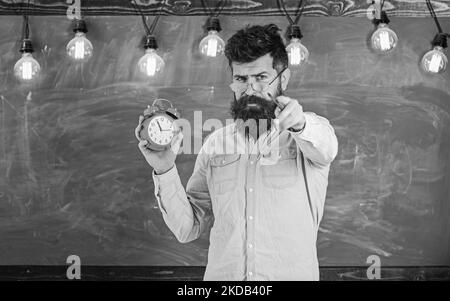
[(250, 91)]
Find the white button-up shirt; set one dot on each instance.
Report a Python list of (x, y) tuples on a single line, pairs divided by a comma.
[(264, 227)]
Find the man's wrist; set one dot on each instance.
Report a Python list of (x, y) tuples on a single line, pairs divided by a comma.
[(296, 130), (159, 172)]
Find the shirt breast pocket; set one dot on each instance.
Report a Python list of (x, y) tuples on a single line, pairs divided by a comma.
[(283, 174), (224, 172)]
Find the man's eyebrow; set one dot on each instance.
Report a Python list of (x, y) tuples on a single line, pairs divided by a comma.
[(253, 75), (258, 74)]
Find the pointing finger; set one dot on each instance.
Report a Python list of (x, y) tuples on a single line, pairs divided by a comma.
[(176, 142), (284, 100), (286, 111)]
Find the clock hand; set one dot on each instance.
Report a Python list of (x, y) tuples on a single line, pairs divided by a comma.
[(159, 126)]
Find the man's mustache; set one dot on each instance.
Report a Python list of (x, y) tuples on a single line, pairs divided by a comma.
[(255, 102), (253, 107)]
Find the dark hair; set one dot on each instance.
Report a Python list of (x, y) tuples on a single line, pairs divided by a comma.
[(251, 43)]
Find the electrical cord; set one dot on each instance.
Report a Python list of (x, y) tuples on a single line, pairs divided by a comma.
[(441, 38), (433, 14), (26, 26), (219, 7), (144, 21), (298, 13), (148, 30), (155, 21)]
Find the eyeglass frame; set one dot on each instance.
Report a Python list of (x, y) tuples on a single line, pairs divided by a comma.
[(262, 90)]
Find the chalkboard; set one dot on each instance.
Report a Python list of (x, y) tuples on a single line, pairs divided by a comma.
[(72, 180)]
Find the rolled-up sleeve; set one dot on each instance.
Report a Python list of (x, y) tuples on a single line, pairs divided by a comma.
[(186, 212), (318, 140)]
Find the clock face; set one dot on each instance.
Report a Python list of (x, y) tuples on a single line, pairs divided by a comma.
[(160, 129)]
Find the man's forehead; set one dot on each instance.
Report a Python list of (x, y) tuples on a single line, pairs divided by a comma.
[(262, 64)]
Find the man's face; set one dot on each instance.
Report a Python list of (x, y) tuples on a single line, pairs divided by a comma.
[(253, 96), (257, 75)]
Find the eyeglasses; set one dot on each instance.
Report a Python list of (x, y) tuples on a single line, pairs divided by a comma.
[(260, 86)]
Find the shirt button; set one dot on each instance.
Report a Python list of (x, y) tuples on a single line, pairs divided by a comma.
[(250, 217), (250, 273), (250, 246), (251, 189), (251, 162)]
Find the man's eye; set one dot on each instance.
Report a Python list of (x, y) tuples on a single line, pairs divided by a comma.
[(261, 77), (240, 79)]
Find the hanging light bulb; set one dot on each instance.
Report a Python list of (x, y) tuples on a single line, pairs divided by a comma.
[(435, 61), (27, 68), (212, 45), (151, 63), (297, 53), (80, 48), (384, 39)]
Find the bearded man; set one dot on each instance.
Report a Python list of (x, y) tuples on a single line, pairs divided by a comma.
[(266, 199)]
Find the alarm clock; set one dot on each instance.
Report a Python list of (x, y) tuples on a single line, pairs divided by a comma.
[(158, 127)]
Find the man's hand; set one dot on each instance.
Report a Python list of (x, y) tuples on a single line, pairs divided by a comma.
[(161, 161), (290, 115)]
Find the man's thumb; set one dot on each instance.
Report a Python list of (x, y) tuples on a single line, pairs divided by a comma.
[(277, 111), (176, 143)]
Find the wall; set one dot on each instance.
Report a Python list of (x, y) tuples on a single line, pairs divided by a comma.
[(72, 180)]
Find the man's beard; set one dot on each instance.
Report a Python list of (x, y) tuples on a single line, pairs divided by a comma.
[(255, 111)]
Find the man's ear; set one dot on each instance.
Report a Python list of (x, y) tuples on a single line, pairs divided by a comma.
[(285, 76)]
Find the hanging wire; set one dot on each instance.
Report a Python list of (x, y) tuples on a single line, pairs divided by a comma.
[(155, 21), (383, 17), (218, 9), (144, 21), (148, 30), (433, 14), (26, 26), (299, 11), (298, 14)]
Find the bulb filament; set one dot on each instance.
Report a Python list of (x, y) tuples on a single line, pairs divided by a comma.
[(26, 70), (296, 56), (151, 66), (384, 41), (79, 50), (212, 47), (435, 63)]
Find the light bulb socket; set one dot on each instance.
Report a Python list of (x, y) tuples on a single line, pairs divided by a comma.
[(26, 46), (150, 42), (213, 23), (79, 25), (383, 19), (294, 32), (440, 39)]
